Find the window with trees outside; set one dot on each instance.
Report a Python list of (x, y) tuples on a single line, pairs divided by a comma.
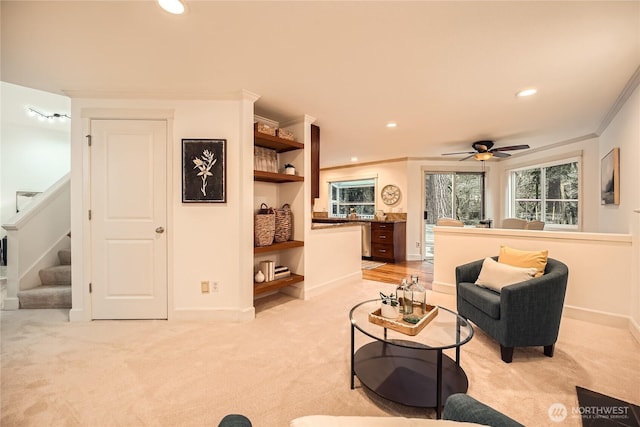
[(548, 193), (357, 196)]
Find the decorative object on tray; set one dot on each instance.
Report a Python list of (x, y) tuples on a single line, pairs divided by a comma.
[(282, 224), (400, 294), (264, 228), (265, 159), (408, 324), (264, 128), (285, 134), (204, 174), (289, 169), (352, 213), (389, 306), (418, 293)]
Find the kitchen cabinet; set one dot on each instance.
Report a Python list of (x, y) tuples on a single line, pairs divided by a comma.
[(388, 241)]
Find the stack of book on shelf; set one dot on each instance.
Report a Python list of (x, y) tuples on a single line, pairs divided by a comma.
[(268, 269), (272, 271), (281, 271)]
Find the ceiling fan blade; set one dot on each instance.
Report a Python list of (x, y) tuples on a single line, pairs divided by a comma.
[(500, 154), (462, 152), (511, 148), (468, 157)]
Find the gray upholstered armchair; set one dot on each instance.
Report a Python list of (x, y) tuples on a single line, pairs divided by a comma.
[(524, 314)]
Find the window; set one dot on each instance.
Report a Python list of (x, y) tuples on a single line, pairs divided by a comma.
[(546, 193), (359, 195), (458, 195)]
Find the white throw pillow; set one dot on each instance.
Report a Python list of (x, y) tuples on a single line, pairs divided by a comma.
[(495, 275)]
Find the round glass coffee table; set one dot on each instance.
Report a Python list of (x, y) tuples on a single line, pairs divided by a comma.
[(411, 370)]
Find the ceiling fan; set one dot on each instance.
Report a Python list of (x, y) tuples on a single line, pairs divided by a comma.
[(484, 150)]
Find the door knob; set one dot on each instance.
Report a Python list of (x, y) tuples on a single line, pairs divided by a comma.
[(159, 230)]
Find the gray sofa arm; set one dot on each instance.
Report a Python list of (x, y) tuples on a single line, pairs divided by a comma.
[(464, 408), (468, 273)]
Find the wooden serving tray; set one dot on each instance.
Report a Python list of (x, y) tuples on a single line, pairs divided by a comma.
[(403, 326)]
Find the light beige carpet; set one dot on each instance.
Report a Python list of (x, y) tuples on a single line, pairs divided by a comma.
[(292, 360)]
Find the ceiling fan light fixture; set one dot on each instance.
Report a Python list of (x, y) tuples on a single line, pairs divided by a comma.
[(526, 92), (483, 156), (172, 6)]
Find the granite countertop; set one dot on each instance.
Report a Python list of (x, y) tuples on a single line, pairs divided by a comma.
[(351, 221)]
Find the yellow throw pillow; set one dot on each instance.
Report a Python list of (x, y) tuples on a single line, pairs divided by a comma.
[(525, 259)]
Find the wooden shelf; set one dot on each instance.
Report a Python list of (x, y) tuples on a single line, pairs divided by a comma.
[(275, 143), (278, 246), (275, 177), (260, 288)]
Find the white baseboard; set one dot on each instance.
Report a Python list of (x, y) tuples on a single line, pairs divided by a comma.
[(596, 316), (78, 315), (635, 329), (445, 288), (332, 285), (11, 303), (218, 314), (572, 312)]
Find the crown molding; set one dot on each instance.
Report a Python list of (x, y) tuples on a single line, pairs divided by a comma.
[(124, 94), (629, 88)]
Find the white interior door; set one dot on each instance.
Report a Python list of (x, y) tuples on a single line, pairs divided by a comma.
[(128, 218)]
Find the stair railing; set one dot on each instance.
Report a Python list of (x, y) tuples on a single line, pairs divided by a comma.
[(34, 237)]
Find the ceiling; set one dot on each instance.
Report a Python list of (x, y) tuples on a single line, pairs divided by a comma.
[(446, 72)]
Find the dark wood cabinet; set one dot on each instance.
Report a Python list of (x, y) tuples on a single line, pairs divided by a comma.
[(315, 163), (389, 241)]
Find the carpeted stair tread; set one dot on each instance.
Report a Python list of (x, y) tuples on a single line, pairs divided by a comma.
[(64, 256), (56, 275), (46, 296)]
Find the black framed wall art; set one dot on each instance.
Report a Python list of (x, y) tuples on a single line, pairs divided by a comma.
[(204, 171), (610, 178)]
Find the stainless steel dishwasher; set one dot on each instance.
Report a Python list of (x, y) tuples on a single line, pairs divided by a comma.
[(366, 239)]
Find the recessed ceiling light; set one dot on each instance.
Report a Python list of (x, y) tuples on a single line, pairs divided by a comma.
[(392, 125), (354, 159), (172, 6), (526, 92)]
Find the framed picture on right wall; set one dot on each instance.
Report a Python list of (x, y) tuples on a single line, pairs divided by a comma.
[(610, 178)]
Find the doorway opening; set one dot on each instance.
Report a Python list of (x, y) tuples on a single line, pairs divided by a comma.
[(458, 195)]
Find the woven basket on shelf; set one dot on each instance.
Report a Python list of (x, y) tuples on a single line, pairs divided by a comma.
[(283, 224), (264, 226)]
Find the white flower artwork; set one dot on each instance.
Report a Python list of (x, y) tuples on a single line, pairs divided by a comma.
[(204, 175), (204, 166)]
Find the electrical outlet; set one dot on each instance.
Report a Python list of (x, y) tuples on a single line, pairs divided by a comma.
[(417, 244), (215, 287), (204, 286)]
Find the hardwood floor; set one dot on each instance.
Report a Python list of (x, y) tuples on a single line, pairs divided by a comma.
[(394, 273)]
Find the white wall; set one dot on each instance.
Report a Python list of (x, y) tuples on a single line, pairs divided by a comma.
[(33, 154), (624, 132), (392, 172), (206, 241), (600, 267)]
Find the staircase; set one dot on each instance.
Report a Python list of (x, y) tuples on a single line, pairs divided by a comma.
[(55, 290)]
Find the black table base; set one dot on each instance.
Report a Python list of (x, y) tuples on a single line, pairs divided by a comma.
[(408, 376)]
